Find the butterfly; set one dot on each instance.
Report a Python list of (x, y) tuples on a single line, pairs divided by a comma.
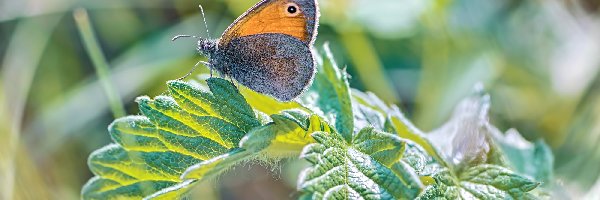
[(268, 48)]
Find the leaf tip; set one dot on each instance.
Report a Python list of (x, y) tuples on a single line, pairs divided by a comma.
[(142, 99)]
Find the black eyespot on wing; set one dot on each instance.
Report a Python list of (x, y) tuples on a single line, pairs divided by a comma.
[(292, 9)]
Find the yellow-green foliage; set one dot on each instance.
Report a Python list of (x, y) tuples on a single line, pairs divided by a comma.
[(358, 147)]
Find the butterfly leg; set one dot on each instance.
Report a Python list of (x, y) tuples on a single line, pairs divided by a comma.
[(194, 68), (234, 83), (228, 74)]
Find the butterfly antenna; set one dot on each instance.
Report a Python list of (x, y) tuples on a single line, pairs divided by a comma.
[(205, 25), (204, 18), (184, 36)]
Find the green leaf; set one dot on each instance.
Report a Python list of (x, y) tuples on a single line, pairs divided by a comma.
[(259, 102), (153, 151), (369, 110), (284, 136), (419, 154), (267, 104), (367, 168), (422, 163), (532, 159), (214, 167), (177, 191), (497, 177), (123, 174), (480, 182), (329, 96), (225, 102)]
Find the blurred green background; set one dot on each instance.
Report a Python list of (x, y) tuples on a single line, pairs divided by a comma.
[(539, 60)]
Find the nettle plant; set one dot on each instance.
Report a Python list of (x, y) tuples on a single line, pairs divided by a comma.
[(358, 147)]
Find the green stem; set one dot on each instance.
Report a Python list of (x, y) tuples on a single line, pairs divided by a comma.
[(93, 49)]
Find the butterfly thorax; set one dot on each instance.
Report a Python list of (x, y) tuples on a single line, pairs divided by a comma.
[(210, 49)]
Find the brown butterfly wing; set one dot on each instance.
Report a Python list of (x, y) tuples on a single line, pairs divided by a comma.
[(268, 49), (269, 16), (275, 64)]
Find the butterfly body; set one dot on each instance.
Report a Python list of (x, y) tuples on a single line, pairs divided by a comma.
[(268, 48)]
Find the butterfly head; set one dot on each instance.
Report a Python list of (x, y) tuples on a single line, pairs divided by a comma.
[(207, 47)]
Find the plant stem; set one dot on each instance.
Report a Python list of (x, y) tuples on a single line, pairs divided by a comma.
[(99, 60)]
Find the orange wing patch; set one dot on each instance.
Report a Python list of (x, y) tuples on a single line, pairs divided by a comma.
[(272, 18)]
